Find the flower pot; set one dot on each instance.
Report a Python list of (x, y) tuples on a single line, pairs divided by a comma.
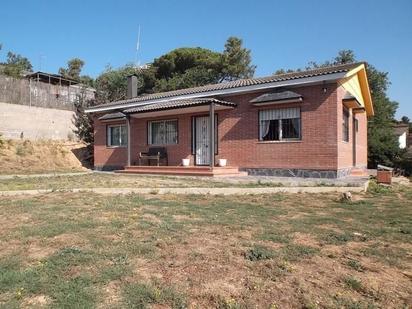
[(222, 162), (185, 162)]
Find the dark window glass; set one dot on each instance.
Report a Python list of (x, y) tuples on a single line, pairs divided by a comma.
[(270, 130), (117, 135), (345, 125), (290, 128), (163, 132)]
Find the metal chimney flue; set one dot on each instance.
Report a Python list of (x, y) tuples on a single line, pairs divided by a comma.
[(131, 86)]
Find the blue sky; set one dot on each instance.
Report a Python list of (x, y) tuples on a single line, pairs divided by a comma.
[(281, 34)]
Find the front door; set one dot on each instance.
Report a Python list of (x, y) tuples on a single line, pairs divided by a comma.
[(202, 140)]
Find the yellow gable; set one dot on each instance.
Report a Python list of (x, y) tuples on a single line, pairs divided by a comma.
[(356, 83)]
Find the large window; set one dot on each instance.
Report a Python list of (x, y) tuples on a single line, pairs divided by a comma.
[(116, 135), (279, 124), (162, 132), (345, 125)]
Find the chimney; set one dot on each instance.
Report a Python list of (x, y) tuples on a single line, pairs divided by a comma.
[(131, 86)]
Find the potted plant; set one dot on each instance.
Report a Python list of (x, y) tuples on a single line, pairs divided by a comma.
[(222, 162)]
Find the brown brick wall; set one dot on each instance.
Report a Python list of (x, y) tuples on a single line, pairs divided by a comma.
[(345, 149), (238, 136)]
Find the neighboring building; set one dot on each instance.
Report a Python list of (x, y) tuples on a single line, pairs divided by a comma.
[(402, 132), (311, 124)]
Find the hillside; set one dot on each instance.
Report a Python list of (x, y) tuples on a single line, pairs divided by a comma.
[(43, 156)]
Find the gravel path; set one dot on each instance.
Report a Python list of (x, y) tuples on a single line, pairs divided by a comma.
[(211, 191)]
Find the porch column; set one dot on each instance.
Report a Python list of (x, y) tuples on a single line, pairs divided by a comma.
[(129, 156), (212, 134)]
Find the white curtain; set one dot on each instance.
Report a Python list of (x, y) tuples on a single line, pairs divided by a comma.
[(280, 113), (264, 128)]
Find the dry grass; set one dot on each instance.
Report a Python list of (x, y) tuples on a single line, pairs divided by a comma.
[(269, 251), (43, 156)]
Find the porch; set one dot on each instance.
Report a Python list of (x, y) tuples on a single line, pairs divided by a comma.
[(216, 171), (170, 133)]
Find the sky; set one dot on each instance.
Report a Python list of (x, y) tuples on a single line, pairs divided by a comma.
[(280, 34)]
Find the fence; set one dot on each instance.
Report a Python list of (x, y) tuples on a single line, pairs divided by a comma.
[(37, 93)]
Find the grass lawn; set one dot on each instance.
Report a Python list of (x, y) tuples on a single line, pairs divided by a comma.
[(66, 250), (96, 180)]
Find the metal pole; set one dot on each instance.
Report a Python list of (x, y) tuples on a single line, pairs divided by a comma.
[(212, 134), (128, 141)]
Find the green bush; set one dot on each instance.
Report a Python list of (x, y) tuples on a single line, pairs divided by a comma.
[(258, 253)]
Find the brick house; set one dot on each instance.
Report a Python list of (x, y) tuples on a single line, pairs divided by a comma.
[(308, 124)]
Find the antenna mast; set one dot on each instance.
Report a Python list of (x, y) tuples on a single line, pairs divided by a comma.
[(137, 60)]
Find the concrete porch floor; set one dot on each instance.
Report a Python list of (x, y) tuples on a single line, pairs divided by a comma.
[(227, 171)]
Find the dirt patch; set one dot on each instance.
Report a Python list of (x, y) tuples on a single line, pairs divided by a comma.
[(305, 240), (111, 295), (36, 301), (151, 218), (27, 157)]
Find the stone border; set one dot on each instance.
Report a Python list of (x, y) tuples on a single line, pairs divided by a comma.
[(188, 191)]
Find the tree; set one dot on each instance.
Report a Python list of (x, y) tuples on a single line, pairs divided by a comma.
[(83, 122), (111, 85), (236, 61), (185, 68), (73, 70), (178, 69), (383, 145), (16, 65), (405, 119)]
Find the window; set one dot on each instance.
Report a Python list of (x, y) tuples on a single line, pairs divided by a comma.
[(162, 132), (116, 135), (279, 124), (345, 125)]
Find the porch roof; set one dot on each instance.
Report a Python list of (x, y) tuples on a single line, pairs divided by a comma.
[(177, 104)]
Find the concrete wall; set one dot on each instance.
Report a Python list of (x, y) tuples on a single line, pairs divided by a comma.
[(35, 122)]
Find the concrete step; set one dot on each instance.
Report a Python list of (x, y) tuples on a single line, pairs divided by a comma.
[(359, 172)]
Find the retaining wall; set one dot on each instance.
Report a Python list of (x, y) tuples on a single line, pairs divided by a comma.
[(29, 122)]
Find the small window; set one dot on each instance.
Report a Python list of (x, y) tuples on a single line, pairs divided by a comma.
[(279, 124), (162, 132), (345, 125), (116, 136)]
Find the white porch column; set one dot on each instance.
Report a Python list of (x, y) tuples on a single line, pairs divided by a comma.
[(129, 155), (212, 134)]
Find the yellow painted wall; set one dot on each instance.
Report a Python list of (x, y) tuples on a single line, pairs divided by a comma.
[(352, 85)]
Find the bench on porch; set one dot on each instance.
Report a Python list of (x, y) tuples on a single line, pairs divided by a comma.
[(154, 153)]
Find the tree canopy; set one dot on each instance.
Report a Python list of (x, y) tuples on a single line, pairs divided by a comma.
[(73, 71), (15, 65), (180, 68)]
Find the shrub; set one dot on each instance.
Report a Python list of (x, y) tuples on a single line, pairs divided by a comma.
[(2, 142), (355, 265), (376, 188), (353, 283), (258, 253)]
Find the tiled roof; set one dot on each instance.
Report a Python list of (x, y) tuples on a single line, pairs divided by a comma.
[(176, 104), (277, 96), (112, 116), (236, 84)]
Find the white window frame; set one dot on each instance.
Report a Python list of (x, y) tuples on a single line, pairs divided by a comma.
[(149, 132), (109, 137), (281, 138)]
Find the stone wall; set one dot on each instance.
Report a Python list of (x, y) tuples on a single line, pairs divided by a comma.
[(37, 93), (30, 122)]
